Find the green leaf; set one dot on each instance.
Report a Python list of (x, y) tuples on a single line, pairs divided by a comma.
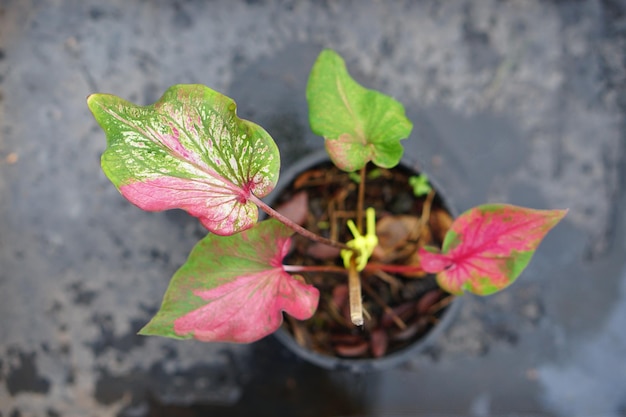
[(359, 125), (234, 289), (189, 150), (420, 185)]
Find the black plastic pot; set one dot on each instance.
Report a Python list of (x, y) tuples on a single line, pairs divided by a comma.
[(367, 364)]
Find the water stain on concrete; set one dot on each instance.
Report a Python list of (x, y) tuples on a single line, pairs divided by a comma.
[(24, 376)]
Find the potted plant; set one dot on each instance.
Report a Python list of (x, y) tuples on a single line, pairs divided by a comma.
[(406, 308), (189, 150)]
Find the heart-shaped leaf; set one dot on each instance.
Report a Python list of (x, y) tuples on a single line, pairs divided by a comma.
[(234, 289), (188, 150), (359, 125), (488, 247)]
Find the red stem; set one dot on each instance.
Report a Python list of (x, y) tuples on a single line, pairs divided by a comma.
[(393, 268), (318, 268), (339, 269), (296, 227)]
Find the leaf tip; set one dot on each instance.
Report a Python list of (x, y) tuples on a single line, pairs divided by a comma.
[(553, 217), (149, 329), (145, 331), (329, 52), (93, 101), (559, 214)]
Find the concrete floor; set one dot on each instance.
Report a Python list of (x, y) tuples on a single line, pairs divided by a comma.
[(515, 101)]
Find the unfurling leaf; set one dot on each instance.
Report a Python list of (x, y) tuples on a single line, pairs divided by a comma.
[(234, 290), (420, 185), (189, 150), (359, 125), (488, 247)]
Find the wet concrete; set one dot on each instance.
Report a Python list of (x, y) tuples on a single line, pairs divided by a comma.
[(519, 101)]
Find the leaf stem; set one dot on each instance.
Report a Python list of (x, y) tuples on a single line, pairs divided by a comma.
[(360, 201), (393, 268), (296, 227), (370, 267), (355, 297)]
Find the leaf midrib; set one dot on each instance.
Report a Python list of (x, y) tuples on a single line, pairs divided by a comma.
[(358, 128), (476, 251)]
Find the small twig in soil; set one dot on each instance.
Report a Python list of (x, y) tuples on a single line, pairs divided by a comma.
[(334, 229), (367, 313), (393, 282), (396, 319), (345, 214), (335, 215), (336, 314), (443, 303), (433, 320), (417, 233), (300, 334)]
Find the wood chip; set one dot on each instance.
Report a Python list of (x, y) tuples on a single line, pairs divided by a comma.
[(379, 341)]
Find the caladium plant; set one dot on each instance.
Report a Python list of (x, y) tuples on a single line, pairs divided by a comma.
[(191, 151)]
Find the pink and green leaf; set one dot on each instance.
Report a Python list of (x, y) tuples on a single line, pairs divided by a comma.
[(488, 247), (359, 125), (234, 289), (189, 150)]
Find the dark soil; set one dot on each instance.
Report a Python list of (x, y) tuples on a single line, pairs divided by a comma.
[(400, 308)]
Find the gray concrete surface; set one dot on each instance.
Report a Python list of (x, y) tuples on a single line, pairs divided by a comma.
[(520, 101)]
